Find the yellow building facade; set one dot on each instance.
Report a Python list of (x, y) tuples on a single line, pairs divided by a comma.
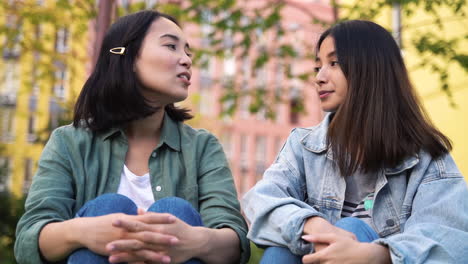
[(39, 75), (450, 117)]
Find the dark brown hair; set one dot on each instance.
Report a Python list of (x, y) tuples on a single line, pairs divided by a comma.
[(381, 121), (111, 97)]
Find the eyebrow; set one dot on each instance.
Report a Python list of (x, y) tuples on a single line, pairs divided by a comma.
[(174, 37), (331, 54)]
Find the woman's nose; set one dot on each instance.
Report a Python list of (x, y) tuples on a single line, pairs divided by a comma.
[(321, 76), (186, 61)]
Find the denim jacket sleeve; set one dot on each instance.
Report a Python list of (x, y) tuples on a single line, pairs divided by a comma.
[(437, 229), (276, 206)]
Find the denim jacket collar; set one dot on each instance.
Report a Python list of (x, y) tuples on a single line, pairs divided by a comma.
[(316, 141)]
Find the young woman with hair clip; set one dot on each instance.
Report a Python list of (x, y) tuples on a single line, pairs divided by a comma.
[(129, 181), (374, 181)]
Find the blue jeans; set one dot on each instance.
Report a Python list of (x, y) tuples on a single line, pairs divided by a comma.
[(116, 203), (363, 232)]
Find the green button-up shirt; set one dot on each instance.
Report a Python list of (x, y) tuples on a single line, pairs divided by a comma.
[(77, 165)]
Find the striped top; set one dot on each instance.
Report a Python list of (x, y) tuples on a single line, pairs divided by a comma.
[(359, 197)]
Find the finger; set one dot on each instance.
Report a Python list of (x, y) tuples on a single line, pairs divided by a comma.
[(312, 258), (154, 238), (319, 246), (125, 245), (131, 225), (327, 238), (141, 211), (157, 218), (139, 256)]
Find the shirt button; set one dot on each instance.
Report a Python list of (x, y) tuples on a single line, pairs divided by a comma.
[(158, 188), (153, 155), (390, 222)]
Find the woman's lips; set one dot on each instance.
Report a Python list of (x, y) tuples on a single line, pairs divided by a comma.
[(185, 81), (324, 94)]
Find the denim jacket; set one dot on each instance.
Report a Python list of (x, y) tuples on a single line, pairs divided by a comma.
[(420, 209)]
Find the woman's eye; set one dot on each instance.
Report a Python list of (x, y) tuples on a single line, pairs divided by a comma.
[(334, 63), (171, 46), (316, 69)]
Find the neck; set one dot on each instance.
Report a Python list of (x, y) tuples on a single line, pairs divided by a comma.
[(148, 127)]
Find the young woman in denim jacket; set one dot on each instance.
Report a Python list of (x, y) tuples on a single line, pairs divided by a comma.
[(128, 148), (375, 157)]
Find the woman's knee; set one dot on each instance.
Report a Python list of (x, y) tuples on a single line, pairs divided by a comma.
[(84, 255), (178, 207), (363, 232), (279, 255), (107, 204)]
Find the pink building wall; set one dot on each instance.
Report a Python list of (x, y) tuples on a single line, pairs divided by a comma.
[(251, 142)]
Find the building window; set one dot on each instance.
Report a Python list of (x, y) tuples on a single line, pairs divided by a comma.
[(261, 77), (206, 86), (260, 155), (28, 174), (226, 141), (244, 101), (7, 118), (11, 84), (31, 137), (295, 105), (61, 77), (244, 165), (61, 40), (229, 67), (54, 114), (279, 84), (11, 47), (4, 172)]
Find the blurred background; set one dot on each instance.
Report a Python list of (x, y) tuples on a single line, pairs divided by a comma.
[(251, 80)]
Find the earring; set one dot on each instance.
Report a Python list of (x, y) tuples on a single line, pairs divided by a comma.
[(118, 50)]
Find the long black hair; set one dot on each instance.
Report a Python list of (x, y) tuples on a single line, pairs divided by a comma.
[(111, 97), (381, 121)]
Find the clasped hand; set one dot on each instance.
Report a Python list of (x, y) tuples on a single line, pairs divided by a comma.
[(336, 245), (145, 238)]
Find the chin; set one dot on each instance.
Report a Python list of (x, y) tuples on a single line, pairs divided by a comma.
[(329, 109), (180, 97)]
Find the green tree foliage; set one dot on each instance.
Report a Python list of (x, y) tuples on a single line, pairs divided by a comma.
[(437, 50), (245, 27), (11, 208)]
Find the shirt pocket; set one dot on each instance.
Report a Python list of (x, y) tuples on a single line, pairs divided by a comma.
[(190, 194)]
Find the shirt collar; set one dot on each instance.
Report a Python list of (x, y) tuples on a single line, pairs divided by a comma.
[(170, 134), (111, 132)]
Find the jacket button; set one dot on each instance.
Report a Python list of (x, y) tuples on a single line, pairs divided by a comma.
[(158, 188), (390, 222)]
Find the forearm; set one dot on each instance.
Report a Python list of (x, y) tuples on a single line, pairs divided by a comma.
[(57, 240), (218, 245)]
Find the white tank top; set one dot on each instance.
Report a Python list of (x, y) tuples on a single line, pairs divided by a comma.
[(137, 188)]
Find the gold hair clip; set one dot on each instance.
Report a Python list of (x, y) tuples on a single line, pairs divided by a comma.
[(118, 50)]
